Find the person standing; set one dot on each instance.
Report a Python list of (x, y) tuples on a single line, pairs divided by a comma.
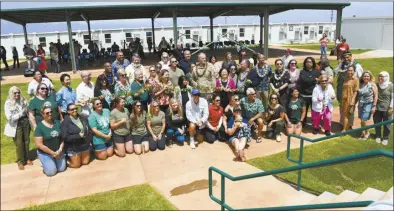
[(349, 95), (110, 76), (185, 63), (17, 126), (65, 95), (102, 91), (55, 57), (225, 87), (119, 63), (261, 73), (174, 71), (342, 48), (384, 107), (139, 91), (280, 80), (15, 56), (85, 92), (203, 76), (323, 45), (287, 58), (228, 62), (3, 55), (136, 65), (43, 65)]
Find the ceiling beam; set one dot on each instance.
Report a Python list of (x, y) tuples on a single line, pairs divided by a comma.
[(279, 10), (220, 13), (156, 15), (12, 19)]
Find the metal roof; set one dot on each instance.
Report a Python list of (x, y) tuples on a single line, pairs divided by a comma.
[(148, 10)]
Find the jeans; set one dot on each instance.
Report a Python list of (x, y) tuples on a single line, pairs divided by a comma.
[(381, 116), (22, 140), (326, 115), (323, 51), (175, 134), (52, 165)]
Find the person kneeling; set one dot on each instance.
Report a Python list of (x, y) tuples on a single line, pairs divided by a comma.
[(156, 125), (275, 116), (139, 133), (120, 124), (239, 132)]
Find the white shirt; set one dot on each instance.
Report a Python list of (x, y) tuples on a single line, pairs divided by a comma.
[(320, 97), (85, 92), (196, 112), (358, 71), (130, 70), (32, 88), (286, 60), (165, 66)]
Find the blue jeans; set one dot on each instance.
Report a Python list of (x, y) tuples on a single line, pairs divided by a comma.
[(171, 134), (323, 51), (51, 165)]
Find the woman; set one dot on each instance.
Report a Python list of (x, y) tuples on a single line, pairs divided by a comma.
[(228, 110), (225, 86), (279, 82), (100, 126), (48, 139), (294, 73), (295, 113), (65, 95), (43, 65), (323, 45), (322, 97), (122, 89), (138, 89), (216, 65), (326, 69), (156, 124), (158, 67), (349, 94), (239, 133), (165, 61), (367, 100), (17, 126), (120, 125), (228, 62), (101, 90), (77, 137), (162, 92), (35, 105), (139, 134), (182, 92), (153, 78), (275, 117), (215, 131), (233, 74), (176, 122), (384, 107)]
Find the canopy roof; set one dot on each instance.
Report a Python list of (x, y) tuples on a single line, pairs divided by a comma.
[(164, 10)]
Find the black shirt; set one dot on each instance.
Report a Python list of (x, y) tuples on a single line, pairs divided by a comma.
[(307, 81), (174, 121), (274, 113), (70, 134)]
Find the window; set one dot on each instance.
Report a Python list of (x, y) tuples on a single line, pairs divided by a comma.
[(224, 32), (290, 28), (43, 41), (149, 36), (241, 32), (86, 39), (187, 34), (306, 29), (128, 37), (107, 38), (320, 29)]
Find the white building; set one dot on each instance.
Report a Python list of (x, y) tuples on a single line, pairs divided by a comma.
[(278, 33), (369, 32)]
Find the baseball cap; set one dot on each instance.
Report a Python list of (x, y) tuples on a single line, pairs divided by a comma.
[(195, 92), (237, 109)]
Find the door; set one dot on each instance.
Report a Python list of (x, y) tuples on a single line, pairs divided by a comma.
[(231, 36), (281, 36), (297, 35), (387, 37)]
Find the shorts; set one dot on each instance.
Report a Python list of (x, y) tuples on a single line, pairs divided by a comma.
[(364, 111), (121, 139), (102, 147), (139, 139), (71, 151)]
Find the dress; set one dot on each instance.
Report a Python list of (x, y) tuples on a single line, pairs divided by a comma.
[(349, 87), (43, 64)]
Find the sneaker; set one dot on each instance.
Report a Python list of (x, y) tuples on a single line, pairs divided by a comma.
[(192, 145), (378, 140), (385, 142), (278, 138), (327, 132), (315, 131)]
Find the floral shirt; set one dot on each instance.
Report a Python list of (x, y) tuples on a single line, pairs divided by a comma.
[(124, 92), (164, 97), (263, 74), (251, 109)]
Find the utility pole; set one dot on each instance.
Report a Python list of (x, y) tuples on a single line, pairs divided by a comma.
[(332, 15)]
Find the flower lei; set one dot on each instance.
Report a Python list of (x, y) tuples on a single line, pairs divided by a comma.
[(143, 89), (203, 73), (265, 70)]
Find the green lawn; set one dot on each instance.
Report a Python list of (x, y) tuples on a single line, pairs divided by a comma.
[(316, 46), (356, 176), (139, 197)]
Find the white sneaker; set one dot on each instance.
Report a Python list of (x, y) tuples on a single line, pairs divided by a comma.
[(278, 138), (385, 142), (192, 145), (378, 140)]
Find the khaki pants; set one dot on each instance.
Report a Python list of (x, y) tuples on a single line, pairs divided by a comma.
[(263, 96)]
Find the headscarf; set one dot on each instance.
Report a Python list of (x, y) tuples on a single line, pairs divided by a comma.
[(386, 82)]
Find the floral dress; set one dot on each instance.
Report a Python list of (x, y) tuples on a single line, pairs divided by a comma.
[(164, 97)]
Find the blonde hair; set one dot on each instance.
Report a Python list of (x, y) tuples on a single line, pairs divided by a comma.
[(10, 97), (121, 72), (180, 110), (370, 75)]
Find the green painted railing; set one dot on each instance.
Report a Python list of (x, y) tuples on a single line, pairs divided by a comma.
[(302, 139), (300, 166)]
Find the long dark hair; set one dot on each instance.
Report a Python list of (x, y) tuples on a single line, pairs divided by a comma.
[(180, 81), (313, 62), (98, 85)]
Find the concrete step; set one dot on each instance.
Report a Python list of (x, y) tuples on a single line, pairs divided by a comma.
[(370, 194), (346, 196), (323, 198), (388, 195), (300, 198)]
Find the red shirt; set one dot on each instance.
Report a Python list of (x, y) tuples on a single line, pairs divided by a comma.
[(214, 115), (342, 47)]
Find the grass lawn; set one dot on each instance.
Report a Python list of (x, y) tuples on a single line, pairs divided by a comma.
[(316, 46), (355, 176), (139, 197)]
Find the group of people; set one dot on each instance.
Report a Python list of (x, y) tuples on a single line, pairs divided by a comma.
[(133, 109)]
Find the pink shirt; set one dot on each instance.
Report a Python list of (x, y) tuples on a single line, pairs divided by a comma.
[(230, 83)]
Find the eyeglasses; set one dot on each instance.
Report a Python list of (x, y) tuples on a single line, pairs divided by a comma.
[(43, 88), (232, 68), (49, 112), (72, 109), (120, 76), (98, 104), (156, 106), (165, 57), (324, 81)]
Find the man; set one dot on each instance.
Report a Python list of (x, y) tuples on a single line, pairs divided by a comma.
[(174, 71), (197, 113), (3, 55), (150, 44), (243, 82), (119, 63), (203, 76), (253, 110), (59, 50), (37, 79), (85, 92), (186, 62), (347, 60), (136, 65), (164, 46), (287, 58), (77, 51), (115, 47), (342, 48), (30, 54), (260, 77), (178, 52), (110, 76)]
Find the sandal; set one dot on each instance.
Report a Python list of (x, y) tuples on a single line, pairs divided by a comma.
[(259, 140), (366, 136), (361, 137)]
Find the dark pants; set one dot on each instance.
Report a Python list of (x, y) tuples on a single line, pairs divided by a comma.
[(5, 62), (160, 144), (22, 140), (308, 104), (277, 128), (16, 60), (381, 116), (211, 136)]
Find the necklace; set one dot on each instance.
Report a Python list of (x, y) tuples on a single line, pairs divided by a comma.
[(243, 76), (264, 70), (203, 73)]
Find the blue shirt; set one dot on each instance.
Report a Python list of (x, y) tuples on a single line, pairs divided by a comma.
[(185, 65), (116, 65), (65, 96), (264, 74)]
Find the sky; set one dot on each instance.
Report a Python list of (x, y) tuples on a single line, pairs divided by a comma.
[(358, 9)]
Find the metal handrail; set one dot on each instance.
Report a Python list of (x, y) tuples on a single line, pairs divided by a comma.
[(328, 162), (302, 139)]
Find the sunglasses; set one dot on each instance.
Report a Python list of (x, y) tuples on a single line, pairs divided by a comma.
[(43, 88), (232, 68), (165, 57), (49, 112), (174, 61), (293, 63), (137, 106), (324, 81), (156, 106), (121, 76), (279, 64), (152, 70), (236, 99), (72, 109), (16, 93), (158, 66), (98, 104), (274, 98)]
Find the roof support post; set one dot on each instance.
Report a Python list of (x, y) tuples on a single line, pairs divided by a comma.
[(261, 30), (90, 33), (25, 34), (339, 23), (211, 30), (71, 43), (153, 35), (175, 27), (266, 32)]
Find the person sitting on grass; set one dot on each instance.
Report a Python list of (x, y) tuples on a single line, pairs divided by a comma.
[(239, 133), (120, 124), (253, 110), (295, 113), (275, 117)]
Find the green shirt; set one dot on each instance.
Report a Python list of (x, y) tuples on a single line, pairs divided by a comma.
[(77, 122), (174, 75), (139, 128), (156, 122), (251, 109), (294, 110), (36, 104), (51, 136), (101, 123), (117, 115), (384, 98)]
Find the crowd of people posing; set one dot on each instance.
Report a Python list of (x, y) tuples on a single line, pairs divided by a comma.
[(133, 109)]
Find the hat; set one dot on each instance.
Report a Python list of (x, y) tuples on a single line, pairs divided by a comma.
[(195, 92), (237, 109)]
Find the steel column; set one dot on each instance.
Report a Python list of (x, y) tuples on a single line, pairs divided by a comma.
[(339, 23), (266, 32), (175, 27), (90, 33), (211, 30), (261, 30), (25, 34), (70, 40), (153, 35)]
